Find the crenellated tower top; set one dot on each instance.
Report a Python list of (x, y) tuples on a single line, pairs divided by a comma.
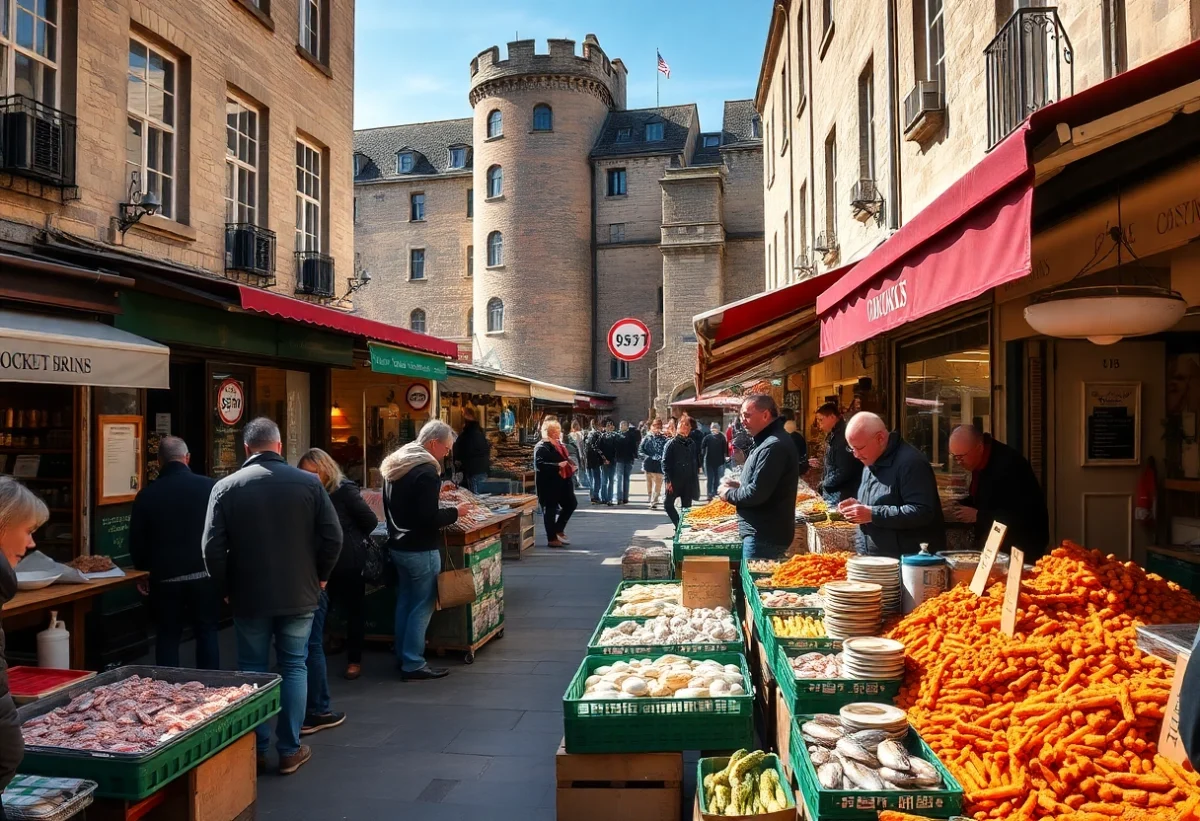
[(592, 71)]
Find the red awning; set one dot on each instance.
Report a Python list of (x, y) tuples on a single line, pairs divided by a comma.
[(977, 234), (717, 400), (265, 302), (735, 337)]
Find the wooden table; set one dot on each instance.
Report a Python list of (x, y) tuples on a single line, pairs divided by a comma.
[(73, 601)]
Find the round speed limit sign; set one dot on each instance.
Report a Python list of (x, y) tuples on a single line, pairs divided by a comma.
[(629, 339)]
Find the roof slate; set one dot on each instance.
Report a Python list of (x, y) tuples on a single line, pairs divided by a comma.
[(736, 126), (430, 142), (676, 119)]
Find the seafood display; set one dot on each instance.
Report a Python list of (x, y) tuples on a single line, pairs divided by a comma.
[(650, 600), (817, 666), (452, 495), (762, 565), (702, 626), (133, 715), (786, 598), (724, 533), (668, 676), (864, 760)]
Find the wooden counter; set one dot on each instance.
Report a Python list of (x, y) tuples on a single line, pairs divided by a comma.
[(1181, 553)]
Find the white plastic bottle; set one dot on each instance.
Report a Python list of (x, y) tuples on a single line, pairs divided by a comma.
[(54, 644)]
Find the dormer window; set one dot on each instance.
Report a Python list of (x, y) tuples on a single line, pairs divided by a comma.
[(404, 162), (624, 135), (654, 132), (712, 141), (458, 158), (756, 127), (360, 164)]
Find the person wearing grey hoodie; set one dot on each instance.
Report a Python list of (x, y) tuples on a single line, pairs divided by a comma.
[(411, 505)]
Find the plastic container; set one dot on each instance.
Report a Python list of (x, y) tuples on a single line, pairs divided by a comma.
[(804, 696), (738, 645), (54, 644), (923, 576), (715, 765)]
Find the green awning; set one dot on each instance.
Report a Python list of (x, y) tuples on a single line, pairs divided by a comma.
[(386, 359)]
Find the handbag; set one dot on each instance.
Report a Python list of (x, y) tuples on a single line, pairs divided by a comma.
[(377, 563), (455, 587)]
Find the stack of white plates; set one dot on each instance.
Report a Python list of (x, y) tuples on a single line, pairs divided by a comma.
[(873, 658), (852, 609), (866, 716), (882, 571)]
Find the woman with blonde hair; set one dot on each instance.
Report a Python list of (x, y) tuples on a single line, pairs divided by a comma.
[(552, 477), (21, 513)]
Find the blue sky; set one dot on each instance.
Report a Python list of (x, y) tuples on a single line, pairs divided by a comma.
[(412, 60)]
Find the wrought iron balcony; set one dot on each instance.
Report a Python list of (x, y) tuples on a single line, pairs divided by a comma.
[(37, 141), (250, 249), (826, 244), (314, 274), (1029, 66), (866, 201), (802, 267)]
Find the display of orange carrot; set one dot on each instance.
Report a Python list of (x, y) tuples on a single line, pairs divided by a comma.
[(810, 570)]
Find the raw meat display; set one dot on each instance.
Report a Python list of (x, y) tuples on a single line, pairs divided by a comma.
[(133, 715)]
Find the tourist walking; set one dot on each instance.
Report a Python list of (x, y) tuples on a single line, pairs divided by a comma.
[(166, 529), (679, 470), (608, 470), (473, 452), (552, 480), (575, 449), (271, 540), (626, 451), (595, 463), (713, 451), (651, 451), (415, 517)]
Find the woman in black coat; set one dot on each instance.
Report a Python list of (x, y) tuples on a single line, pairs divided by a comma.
[(680, 470), (552, 478)]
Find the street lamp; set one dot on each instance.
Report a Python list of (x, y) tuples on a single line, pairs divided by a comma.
[(140, 204)]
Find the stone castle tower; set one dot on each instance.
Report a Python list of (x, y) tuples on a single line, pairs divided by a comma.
[(541, 218)]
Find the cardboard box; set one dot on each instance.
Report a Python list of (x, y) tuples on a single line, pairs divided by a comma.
[(706, 582)]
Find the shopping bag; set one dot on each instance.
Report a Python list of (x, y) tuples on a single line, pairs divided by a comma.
[(377, 564), (455, 587)]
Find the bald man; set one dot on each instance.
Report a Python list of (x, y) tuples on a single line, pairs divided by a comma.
[(1003, 489), (897, 506)]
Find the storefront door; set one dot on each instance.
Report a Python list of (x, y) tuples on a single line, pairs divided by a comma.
[(1098, 453)]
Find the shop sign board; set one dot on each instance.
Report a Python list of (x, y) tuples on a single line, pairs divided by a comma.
[(389, 359), (417, 396), (629, 339), (231, 401)]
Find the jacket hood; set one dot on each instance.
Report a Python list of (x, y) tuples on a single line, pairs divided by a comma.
[(409, 456)]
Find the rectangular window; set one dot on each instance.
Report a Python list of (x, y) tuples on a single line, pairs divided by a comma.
[(310, 27), (356, 209), (241, 163), (787, 249), (470, 203), (308, 197), (802, 222), (1116, 53), (150, 132), (775, 261), (712, 140), (935, 43), (661, 299), (404, 163), (624, 135), (785, 107), (616, 182), (470, 260), (654, 132), (800, 55), (618, 370), (416, 209), (616, 232), (416, 263), (458, 157), (29, 50), (866, 123), (831, 182)]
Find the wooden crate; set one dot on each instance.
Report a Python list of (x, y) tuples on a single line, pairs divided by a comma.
[(766, 695), (518, 535), (625, 786), (783, 733)]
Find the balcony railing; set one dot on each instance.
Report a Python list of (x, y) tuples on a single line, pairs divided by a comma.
[(37, 141), (314, 274), (1029, 66), (250, 249), (826, 244)]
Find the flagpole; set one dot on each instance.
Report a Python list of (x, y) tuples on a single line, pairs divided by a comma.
[(656, 77)]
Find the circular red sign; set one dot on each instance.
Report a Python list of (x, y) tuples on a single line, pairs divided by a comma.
[(231, 401), (629, 339)]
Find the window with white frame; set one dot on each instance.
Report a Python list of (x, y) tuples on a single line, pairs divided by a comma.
[(416, 207), (935, 42), (458, 158), (624, 135), (416, 320), (150, 130), (404, 162), (495, 181), (495, 123), (29, 49), (416, 263), (831, 183), (495, 317), (495, 249), (866, 123), (310, 26), (308, 197), (241, 163)]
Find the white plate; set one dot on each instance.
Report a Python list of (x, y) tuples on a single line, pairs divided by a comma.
[(36, 579), (876, 646), (874, 716)]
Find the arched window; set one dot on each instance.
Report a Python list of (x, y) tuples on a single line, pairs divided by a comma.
[(543, 118), (495, 123), (471, 322), (495, 249), (416, 320), (495, 308), (495, 181)]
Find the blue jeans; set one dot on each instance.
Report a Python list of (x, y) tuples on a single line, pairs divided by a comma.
[(475, 482), (596, 483), (624, 471), (752, 548), (416, 595), (290, 634), (713, 473), (607, 475), (318, 677)]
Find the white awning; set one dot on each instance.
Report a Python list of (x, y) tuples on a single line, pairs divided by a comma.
[(551, 393), (57, 351)]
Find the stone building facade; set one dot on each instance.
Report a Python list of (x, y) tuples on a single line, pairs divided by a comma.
[(129, 86), (582, 213)]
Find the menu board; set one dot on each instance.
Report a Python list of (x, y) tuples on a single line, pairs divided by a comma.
[(1112, 422)]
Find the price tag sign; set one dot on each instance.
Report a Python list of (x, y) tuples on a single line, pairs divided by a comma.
[(1169, 743), (1012, 592), (629, 339), (988, 560)]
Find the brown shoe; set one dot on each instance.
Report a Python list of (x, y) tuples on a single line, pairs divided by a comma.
[(562, 537), (288, 764), (353, 671), (554, 543)]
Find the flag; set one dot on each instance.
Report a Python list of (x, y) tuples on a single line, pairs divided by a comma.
[(662, 66)]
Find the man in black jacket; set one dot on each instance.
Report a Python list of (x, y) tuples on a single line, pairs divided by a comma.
[(789, 424), (607, 445), (897, 507), (713, 452), (272, 538), (626, 452), (594, 461), (679, 470), (415, 517), (765, 496), (1003, 489), (842, 471), (473, 452), (166, 529)]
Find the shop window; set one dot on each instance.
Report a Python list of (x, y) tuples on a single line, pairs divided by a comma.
[(946, 382)]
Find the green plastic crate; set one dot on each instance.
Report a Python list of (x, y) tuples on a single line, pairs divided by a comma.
[(772, 642), (133, 776), (625, 585), (643, 650), (863, 805), (807, 696), (706, 766), (657, 725)]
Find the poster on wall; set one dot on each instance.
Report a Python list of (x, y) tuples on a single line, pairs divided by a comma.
[(229, 392), (1112, 423), (118, 459)]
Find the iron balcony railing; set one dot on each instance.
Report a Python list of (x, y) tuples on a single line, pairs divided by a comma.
[(1029, 66), (37, 141), (826, 243), (250, 249), (314, 274)]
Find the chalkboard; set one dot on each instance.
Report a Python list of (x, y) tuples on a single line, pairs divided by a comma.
[(112, 534), (1112, 417)]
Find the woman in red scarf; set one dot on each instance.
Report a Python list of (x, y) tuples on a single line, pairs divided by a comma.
[(555, 490)]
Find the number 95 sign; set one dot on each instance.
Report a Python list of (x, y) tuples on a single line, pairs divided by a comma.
[(629, 339)]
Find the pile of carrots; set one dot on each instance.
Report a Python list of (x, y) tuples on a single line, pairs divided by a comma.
[(713, 512), (810, 570), (1062, 720)]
